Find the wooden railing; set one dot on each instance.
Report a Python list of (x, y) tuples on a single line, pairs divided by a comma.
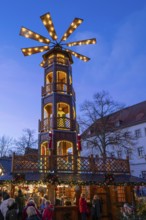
[(57, 60), (69, 164), (57, 87), (45, 125), (60, 123)]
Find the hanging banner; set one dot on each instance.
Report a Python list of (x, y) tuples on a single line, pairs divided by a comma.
[(79, 142), (50, 141)]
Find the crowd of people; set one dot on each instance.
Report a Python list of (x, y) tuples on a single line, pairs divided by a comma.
[(95, 210), (19, 208)]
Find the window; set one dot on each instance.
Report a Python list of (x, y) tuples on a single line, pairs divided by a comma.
[(119, 154), (140, 151), (117, 137), (92, 130), (129, 153), (118, 123), (88, 144), (143, 174), (137, 133), (111, 139), (121, 194), (127, 134), (112, 154)]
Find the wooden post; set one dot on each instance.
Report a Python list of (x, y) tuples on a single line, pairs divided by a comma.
[(77, 194), (51, 193)]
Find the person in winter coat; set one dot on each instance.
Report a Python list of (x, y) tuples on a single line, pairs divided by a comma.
[(32, 214), (83, 207), (20, 200), (48, 211), (4, 204), (11, 213), (30, 203), (96, 208), (42, 206), (1, 199)]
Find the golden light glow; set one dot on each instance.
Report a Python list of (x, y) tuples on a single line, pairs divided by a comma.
[(47, 21), (25, 32), (81, 57), (42, 63), (82, 42), (33, 50), (73, 26)]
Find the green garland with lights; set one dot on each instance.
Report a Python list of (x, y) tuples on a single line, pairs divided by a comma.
[(51, 178)]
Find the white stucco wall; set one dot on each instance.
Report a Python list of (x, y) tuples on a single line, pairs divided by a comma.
[(137, 163)]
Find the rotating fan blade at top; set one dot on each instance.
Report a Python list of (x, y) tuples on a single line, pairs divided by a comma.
[(81, 42), (47, 21), (73, 26), (80, 56), (25, 32), (33, 50)]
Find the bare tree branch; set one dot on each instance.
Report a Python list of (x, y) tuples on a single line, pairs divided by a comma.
[(27, 140), (6, 144), (98, 124)]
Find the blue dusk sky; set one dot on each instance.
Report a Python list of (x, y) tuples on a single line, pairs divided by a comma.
[(117, 65)]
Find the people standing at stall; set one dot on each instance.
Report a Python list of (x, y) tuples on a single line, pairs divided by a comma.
[(48, 211), (4, 204), (32, 214), (20, 200), (83, 206), (42, 205), (36, 199), (1, 197), (11, 213), (32, 204), (96, 208)]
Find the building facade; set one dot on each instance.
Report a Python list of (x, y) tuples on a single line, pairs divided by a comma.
[(131, 121)]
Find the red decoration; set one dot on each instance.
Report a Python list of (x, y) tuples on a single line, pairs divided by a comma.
[(79, 142), (50, 141)]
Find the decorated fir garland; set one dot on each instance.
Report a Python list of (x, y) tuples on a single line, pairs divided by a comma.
[(109, 179), (52, 178), (18, 178)]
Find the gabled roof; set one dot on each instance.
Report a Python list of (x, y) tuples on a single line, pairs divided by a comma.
[(126, 117), (131, 115)]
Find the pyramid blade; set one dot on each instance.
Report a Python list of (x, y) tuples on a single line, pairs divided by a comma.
[(33, 50), (25, 32), (82, 42), (80, 56), (48, 23), (73, 26)]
